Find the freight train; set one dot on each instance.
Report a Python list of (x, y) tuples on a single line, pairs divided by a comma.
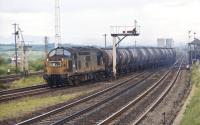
[(73, 65)]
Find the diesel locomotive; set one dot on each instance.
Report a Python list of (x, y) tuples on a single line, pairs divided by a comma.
[(72, 65)]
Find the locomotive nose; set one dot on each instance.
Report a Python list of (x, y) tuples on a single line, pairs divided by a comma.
[(54, 67), (56, 71)]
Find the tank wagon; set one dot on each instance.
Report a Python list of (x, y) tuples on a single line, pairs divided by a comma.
[(70, 66)]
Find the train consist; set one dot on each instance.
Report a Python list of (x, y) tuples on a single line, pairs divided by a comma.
[(73, 65)]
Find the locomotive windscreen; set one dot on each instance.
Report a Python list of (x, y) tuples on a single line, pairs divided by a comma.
[(60, 51)]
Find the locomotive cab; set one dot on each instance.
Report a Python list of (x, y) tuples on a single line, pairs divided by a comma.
[(60, 61), (71, 66), (58, 66)]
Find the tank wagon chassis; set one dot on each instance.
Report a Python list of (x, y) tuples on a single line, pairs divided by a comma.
[(70, 66)]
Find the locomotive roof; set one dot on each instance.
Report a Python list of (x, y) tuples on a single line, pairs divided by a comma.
[(78, 49)]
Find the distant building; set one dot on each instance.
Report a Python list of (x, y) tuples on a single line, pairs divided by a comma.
[(162, 42), (13, 60), (169, 42), (194, 51)]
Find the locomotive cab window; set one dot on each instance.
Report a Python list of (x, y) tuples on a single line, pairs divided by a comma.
[(56, 52), (52, 53), (59, 52), (67, 53)]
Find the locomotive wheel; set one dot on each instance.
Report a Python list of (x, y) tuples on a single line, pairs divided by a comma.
[(70, 82), (50, 83), (76, 82)]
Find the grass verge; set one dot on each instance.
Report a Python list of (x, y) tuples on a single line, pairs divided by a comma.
[(24, 82), (27, 105), (192, 113)]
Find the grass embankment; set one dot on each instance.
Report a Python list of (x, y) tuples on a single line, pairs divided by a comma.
[(27, 81), (4, 69), (192, 113), (27, 105), (24, 82)]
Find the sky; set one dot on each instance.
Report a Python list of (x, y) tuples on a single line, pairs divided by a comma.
[(85, 21)]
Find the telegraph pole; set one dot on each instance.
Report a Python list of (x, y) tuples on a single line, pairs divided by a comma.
[(190, 53), (15, 36), (194, 34), (105, 39), (46, 46)]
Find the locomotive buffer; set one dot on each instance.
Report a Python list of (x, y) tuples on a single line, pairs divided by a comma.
[(121, 32)]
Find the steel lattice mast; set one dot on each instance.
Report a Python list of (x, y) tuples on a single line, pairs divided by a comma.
[(57, 24)]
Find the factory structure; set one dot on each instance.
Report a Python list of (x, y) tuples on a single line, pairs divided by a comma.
[(165, 42)]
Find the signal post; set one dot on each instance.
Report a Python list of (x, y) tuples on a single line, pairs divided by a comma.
[(120, 33)]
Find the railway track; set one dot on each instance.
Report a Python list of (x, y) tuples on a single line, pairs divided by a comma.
[(13, 77), (161, 96), (101, 112), (93, 114), (135, 111), (7, 95), (12, 94), (73, 109), (77, 112), (10, 91), (9, 79)]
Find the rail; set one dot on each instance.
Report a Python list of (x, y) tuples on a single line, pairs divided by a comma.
[(52, 112), (124, 108)]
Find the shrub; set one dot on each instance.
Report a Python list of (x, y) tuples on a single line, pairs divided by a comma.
[(2, 60), (2, 71), (37, 64)]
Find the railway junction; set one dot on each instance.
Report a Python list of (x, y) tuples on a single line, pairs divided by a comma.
[(89, 84), (147, 96)]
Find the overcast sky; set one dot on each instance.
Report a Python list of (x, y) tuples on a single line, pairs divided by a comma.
[(85, 21)]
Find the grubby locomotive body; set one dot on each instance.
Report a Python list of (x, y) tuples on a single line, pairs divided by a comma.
[(72, 65)]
